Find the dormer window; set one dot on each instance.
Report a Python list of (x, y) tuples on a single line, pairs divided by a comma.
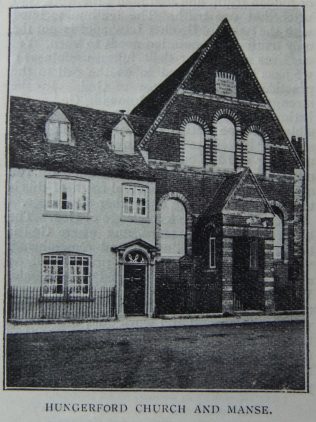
[(123, 138), (58, 128)]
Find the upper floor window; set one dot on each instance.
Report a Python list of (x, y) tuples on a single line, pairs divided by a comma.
[(135, 201), (66, 275), (67, 195), (255, 156), (57, 128), (194, 145), (123, 138), (173, 228), (226, 144), (278, 234)]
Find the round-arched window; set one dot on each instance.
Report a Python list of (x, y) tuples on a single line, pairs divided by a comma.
[(226, 144), (255, 157), (173, 228), (194, 145)]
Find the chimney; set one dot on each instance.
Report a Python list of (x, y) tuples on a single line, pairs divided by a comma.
[(299, 145)]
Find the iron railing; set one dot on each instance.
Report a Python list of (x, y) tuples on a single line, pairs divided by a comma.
[(29, 303)]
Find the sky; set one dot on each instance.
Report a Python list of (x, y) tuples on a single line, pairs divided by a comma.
[(111, 58)]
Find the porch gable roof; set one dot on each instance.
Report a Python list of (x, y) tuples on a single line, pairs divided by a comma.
[(235, 189), (138, 242)]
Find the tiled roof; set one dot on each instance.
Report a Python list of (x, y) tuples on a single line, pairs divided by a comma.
[(91, 130)]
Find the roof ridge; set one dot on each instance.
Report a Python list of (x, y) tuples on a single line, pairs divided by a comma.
[(61, 104)]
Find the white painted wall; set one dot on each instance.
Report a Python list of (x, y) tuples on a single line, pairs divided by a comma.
[(31, 233)]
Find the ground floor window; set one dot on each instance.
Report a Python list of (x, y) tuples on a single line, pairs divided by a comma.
[(212, 252), (253, 259), (66, 275)]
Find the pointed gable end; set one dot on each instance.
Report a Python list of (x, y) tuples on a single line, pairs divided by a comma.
[(246, 195)]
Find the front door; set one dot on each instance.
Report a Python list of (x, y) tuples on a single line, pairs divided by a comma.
[(247, 274), (134, 289)]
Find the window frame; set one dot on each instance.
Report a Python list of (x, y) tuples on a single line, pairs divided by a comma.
[(255, 153), (66, 295), (58, 139), (134, 216), (67, 212), (212, 253), (196, 146), (279, 257), (226, 151), (183, 235)]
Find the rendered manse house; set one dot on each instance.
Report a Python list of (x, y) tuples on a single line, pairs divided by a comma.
[(193, 203)]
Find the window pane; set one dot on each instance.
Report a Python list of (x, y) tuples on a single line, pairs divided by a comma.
[(81, 195), (128, 201), (225, 160), (128, 143), (67, 194), (117, 140), (53, 275), (194, 155), (64, 132), (278, 230), (278, 252), (225, 135), (255, 162), (78, 266), (255, 143), (194, 134), (52, 131), (173, 217), (172, 245), (141, 196), (212, 261), (52, 194)]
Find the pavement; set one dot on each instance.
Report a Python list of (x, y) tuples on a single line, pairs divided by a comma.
[(143, 322)]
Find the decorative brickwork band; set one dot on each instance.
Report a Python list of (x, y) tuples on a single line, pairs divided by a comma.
[(267, 145), (207, 136), (231, 115), (181, 198), (268, 280), (227, 275)]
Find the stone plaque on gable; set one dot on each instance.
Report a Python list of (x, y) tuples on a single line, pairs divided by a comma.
[(225, 84)]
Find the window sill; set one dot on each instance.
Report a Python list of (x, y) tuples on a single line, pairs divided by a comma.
[(62, 214), (135, 219)]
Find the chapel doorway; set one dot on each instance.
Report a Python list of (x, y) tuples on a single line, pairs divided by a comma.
[(248, 268), (135, 269)]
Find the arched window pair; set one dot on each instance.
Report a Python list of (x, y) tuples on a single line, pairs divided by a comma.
[(226, 147)]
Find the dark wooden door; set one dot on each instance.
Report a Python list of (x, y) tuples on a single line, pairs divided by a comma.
[(247, 266), (134, 289)]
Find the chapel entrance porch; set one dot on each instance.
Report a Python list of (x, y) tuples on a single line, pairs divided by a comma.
[(248, 287)]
